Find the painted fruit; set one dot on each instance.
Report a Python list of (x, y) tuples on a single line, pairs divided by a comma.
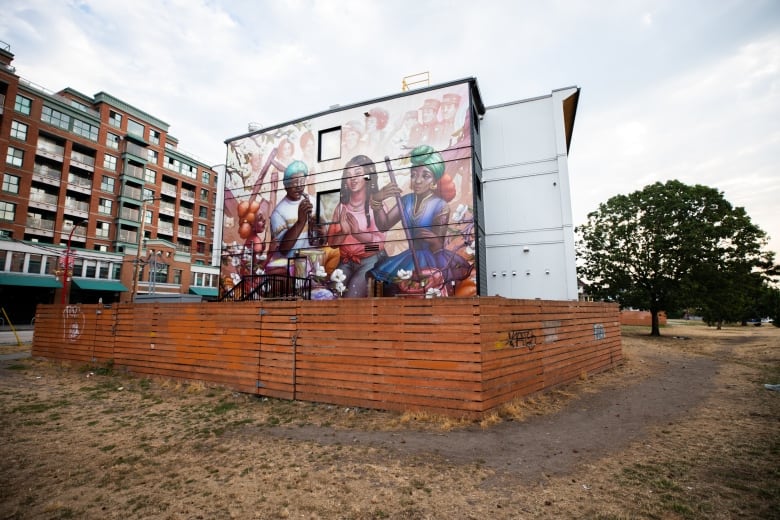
[(245, 230)]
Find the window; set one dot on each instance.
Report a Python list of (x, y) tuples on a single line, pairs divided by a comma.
[(19, 130), (203, 212), (23, 104), (55, 118), (102, 229), (109, 162), (201, 247), (148, 194), (105, 206), (134, 127), (150, 176), (151, 155), (206, 177), (34, 263), (14, 157), (204, 195), (177, 276), (148, 216), (7, 211), (115, 119), (154, 136), (85, 129), (330, 144), (10, 183), (107, 184), (112, 141), (101, 247), (201, 230)]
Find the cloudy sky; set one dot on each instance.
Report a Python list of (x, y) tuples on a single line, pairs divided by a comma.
[(673, 89)]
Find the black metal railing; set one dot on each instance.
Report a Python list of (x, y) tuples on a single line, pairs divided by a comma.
[(268, 286)]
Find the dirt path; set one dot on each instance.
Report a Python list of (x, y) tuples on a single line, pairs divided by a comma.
[(683, 430), (589, 427)]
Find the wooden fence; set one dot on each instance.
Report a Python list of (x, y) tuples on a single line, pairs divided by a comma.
[(455, 356)]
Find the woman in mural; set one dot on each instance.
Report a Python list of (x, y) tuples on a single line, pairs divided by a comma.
[(425, 215), (354, 230)]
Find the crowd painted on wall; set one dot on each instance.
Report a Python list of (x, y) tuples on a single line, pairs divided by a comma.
[(392, 208)]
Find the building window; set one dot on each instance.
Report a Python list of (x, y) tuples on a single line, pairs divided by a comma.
[(85, 129), (148, 194), (115, 119), (105, 206), (203, 212), (177, 276), (330, 144), (14, 157), (206, 177), (7, 211), (109, 162), (23, 104), (151, 155), (112, 141), (154, 136), (133, 127), (201, 247), (10, 183), (150, 176), (19, 130), (55, 118), (204, 195), (102, 229), (201, 230), (107, 184), (148, 217)]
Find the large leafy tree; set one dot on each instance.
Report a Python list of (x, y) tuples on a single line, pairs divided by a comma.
[(667, 246)]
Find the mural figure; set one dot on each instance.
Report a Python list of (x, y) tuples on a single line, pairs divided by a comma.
[(449, 109), (429, 131), (354, 231), (424, 213), (351, 134)]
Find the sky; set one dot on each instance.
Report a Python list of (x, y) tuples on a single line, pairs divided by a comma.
[(672, 89)]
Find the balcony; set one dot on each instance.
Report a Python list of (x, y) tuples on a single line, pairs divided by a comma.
[(83, 161), (79, 235), (185, 232), (46, 175), (140, 152), (130, 214), (188, 195), (79, 184), (167, 208), (183, 248), (163, 229), (46, 201), (77, 208), (186, 214), (36, 226), (130, 192), (169, 189), (126, 235), (50, 151), (134, 171)]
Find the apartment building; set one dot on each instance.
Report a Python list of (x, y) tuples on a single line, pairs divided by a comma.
[(97, 202)]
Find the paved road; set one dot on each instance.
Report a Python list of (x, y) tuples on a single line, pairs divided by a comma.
[(7, 336)]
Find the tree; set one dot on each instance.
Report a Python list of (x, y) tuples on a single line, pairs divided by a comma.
[(669, 245)]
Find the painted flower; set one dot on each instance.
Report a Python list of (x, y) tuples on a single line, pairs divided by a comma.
[(433, 293), (460, 212), (403, 274), (340, 288), (320, 272), (338, 276), (236, 278)]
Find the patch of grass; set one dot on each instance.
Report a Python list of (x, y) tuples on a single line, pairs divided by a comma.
[(224, 407), (39, 407), (18, 366)]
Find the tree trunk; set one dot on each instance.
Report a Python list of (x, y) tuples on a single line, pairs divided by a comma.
[(655, 329)]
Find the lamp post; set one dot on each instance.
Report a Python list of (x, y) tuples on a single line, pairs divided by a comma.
[(140, 245), (68, 267)]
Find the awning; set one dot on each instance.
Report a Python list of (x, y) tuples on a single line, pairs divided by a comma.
[(29, 280), (205, 291), (92, 284)]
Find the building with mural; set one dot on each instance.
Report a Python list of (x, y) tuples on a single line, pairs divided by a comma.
[(426, 193), (100, 179)]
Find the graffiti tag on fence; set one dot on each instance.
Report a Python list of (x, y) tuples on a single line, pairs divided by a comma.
[(599, 332), (521, 338), (72, 323)]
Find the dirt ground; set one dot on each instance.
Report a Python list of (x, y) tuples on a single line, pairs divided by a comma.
[(684, 429)]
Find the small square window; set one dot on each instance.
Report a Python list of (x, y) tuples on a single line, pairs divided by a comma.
[(327, 201), (330, 144)]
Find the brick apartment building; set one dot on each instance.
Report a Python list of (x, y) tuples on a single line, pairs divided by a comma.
[(107, 178)]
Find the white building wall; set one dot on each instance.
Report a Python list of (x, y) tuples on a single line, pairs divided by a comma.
[(528, 218)]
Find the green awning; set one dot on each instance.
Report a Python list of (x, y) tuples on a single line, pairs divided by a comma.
[(29, 280), (92, 284), (205, 291)]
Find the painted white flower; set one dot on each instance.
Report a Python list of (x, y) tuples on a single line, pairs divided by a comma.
[(403, 274), (236, 278), (340, 287), (433, 293), (320, 273), (235, 261), (263, 257), (470, 250), (338, 276), (259, 271), (460, 212)]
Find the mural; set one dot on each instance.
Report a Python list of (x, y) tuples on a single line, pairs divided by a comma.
[(368, 201)]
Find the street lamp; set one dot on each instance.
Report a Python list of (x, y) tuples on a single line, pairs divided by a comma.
[(140, 245), (68, 267)]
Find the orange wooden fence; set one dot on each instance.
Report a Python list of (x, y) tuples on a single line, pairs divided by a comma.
[(456, 356), (641, 318)]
